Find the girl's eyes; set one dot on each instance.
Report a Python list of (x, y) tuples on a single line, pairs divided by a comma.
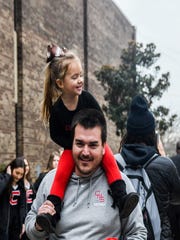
[(77, 75)]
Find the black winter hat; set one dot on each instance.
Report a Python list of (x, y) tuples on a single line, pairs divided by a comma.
[(140, 120)]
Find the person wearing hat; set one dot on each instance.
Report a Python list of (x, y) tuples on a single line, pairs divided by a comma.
[(137, 146)]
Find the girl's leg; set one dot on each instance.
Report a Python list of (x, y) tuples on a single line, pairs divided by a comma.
[(110, 166), (125, 202), (62, 176)]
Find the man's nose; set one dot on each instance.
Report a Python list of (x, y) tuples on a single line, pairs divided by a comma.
[(85, 150)]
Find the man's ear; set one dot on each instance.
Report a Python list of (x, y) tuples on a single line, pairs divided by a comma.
[(103, 149), (59, 82)]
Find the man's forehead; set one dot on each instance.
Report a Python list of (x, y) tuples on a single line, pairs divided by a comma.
[(90, 134)]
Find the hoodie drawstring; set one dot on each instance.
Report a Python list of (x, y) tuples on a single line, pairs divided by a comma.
[(77, 193), (89, 193)]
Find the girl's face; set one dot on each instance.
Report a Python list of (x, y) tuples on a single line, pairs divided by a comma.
[(17, 174), (73, 81), (55, 161)]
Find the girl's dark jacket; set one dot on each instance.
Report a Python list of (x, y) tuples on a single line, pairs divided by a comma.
[(5, 179), (163, 176)]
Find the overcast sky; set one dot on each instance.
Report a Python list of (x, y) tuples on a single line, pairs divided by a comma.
[(158, 21)]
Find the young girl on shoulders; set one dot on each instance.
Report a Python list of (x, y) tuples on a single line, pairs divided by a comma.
[(63, 97)]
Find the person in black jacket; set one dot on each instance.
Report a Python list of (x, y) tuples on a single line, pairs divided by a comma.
[(12, 200), (174, 210), (30, 193), (176, 158), (137, 147)]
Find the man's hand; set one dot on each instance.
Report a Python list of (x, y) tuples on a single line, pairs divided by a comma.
[(46, 207)]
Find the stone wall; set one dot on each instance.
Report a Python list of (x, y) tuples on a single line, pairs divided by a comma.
[(40, 22)]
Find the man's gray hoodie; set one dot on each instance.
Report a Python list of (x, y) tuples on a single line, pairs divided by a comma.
[(87, 213)]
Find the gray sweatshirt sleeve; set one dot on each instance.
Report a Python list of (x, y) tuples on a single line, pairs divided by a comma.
[(41, 196), (133, 227)]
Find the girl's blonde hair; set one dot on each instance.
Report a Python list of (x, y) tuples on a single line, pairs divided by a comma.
[(56, 69)]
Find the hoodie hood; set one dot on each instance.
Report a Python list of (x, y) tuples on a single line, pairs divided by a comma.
[(137, 154)]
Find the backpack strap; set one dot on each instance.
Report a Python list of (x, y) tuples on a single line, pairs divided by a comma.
[(120, 161), (150, 160)]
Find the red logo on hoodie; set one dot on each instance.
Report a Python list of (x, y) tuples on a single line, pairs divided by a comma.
[(99, 196)]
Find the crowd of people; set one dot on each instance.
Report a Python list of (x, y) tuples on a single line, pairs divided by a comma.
[(82, 194), (17, 192)]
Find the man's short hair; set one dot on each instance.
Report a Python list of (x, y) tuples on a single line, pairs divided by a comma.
[(90, 118)]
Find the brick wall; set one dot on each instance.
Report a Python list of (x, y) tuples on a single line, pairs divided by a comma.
[(7, 104), (42, 22)]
